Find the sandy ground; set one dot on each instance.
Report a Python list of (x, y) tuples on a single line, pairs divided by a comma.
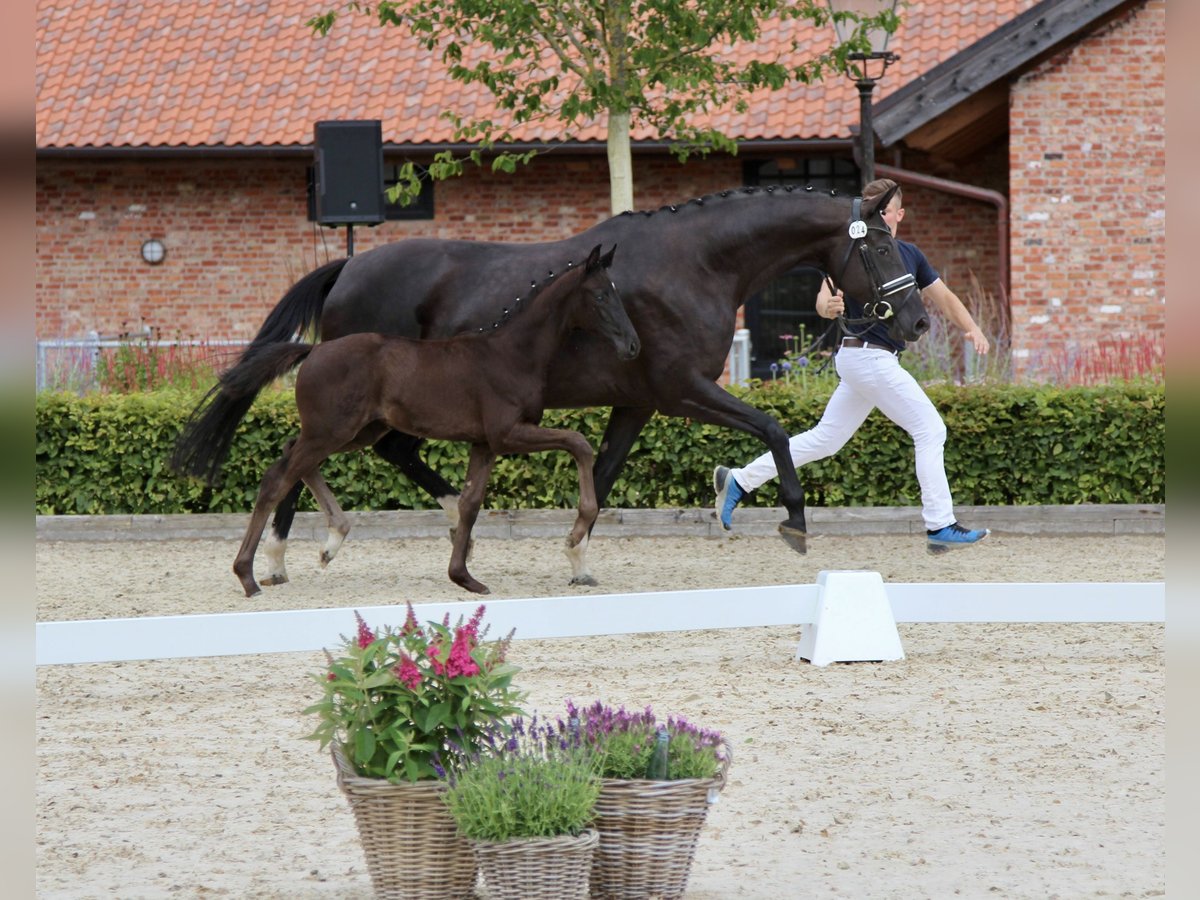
[(1016, 761)]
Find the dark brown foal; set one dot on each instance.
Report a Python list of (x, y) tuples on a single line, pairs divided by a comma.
[(484, 388)]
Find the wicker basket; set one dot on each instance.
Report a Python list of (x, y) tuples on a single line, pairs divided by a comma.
[(551, 868), (648, 834), (412, 848)]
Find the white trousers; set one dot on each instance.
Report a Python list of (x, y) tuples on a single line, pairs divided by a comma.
[(869, 379)]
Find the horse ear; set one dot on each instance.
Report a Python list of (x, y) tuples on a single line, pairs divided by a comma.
[(607, 258), (593, 259), (880, 202)]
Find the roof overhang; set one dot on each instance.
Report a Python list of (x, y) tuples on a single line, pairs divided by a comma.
[(962, 104), (422, 151)]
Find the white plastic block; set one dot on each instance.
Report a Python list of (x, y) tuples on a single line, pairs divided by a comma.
[(853, 622)]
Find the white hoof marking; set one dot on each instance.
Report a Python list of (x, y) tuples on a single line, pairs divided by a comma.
[(450, 506), (273, 550)]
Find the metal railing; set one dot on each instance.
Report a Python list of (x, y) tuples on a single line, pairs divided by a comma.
[(71, 364)]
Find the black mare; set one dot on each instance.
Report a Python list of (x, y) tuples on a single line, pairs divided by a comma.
[(683, 272)]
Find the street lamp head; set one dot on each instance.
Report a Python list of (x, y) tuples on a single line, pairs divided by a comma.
[(845, 27), (846, 15)]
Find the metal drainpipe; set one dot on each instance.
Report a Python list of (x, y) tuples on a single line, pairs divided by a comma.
[(962, 190)]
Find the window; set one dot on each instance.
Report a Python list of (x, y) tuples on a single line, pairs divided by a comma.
[(787, 306), (421, 208)]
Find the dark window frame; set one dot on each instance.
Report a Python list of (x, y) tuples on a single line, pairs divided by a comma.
[(787, 306), (420, 209)]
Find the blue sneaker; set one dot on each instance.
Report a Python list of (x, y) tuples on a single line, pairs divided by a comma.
[(729, 492), (954, 535)]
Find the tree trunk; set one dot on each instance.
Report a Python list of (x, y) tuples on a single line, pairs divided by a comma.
[(620, 163)]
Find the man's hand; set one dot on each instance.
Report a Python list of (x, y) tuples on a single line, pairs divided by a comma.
[(830, 306)]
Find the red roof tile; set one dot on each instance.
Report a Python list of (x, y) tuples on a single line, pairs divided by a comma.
[(161, 74)]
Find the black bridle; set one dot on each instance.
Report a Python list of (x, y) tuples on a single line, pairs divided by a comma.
[(879, 308)]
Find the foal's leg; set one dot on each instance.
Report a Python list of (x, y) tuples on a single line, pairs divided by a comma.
[(337, 520), (281, 524), (527, 438), (479, 469), (298, 460)]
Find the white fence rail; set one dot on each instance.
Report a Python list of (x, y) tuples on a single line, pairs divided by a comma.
[(284, 631)]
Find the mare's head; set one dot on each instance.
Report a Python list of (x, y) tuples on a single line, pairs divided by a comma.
[(874, 273), (598, 306)]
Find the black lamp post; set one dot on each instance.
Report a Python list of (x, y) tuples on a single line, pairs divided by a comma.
[(865, 69)]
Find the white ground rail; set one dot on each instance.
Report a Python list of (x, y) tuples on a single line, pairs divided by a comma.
[(231, 634)]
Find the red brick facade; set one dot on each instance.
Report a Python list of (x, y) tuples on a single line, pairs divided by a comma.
[(237, 236), (1088, 186)]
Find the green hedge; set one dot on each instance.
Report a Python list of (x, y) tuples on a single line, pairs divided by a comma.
[(1007, 445)]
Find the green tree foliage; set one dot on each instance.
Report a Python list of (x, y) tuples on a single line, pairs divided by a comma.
[(622, 63)]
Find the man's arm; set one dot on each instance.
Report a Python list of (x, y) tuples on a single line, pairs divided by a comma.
[(947, 303)]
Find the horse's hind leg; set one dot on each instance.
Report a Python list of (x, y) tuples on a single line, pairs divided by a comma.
[(479, 469), (336, 519), (281, 525), (298, 459)]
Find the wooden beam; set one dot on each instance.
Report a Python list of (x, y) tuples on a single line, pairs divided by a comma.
[(995, 58)]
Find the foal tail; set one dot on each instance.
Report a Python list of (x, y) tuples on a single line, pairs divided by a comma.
[(203, 445)]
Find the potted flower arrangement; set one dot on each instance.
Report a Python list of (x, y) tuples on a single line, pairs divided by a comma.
[(524, 802), (395, 701), (648, 826)]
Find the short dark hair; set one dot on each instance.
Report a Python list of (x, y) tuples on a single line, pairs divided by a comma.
[(879, 187)]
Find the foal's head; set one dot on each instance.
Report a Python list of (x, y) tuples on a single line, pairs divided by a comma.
[(598, 307), (874, 271)]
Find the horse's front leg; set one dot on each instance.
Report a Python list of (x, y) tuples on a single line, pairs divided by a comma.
[(527, 438), (401, 451), (625, 423), (711, 403), (479, 469)]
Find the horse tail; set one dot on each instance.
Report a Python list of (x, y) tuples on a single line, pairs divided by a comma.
[(203, 445), (208, 433)]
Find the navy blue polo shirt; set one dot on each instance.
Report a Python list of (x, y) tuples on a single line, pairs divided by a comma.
[(918, 266)]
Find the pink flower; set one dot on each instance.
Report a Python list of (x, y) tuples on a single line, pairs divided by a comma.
[(460, 661), (366, 637), (432, 653), (410, 622), (408, 673)]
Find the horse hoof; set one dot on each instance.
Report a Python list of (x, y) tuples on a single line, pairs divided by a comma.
[(326, 558), (253, 592), (274, 580), (794, 538), (585, 580)]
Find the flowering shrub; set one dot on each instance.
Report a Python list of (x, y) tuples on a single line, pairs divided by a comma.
[(397, 698), (528, 781), (625, 742)]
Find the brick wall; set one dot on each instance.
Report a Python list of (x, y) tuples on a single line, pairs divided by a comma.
[(1088, 181), (958, 234), (237, 236)]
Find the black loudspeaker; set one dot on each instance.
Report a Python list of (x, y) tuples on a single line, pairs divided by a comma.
[(348, 172)]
